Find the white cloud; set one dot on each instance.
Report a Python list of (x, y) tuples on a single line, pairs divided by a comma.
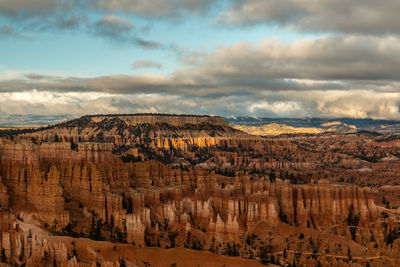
[(355, 104), (279, 107)]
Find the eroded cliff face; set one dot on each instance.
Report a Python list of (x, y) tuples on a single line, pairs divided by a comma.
[(365, 159), (183, 141), (83, 189), (91, 192), (153, 131), (22, 245)]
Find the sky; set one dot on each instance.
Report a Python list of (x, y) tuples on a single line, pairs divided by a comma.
[(260, 58)]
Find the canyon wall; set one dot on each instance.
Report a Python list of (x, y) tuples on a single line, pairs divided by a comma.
[(77, 180), (144, 203)]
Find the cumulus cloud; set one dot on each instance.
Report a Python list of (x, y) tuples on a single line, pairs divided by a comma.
[(346, 16), (326, 58), (146, 64)]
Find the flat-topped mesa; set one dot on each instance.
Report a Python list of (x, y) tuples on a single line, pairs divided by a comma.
[(154, 120), (146, 133), (172, 120), (122, 129)]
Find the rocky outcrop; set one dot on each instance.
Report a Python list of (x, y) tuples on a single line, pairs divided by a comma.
[(3, 195), (278, 129)]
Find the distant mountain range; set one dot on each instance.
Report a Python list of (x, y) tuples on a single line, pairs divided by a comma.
[(275, 126), (30, 120)]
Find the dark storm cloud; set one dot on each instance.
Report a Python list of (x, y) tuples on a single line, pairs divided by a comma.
[(329, 58), (9, 31), (112, 26), (61, 15), (156, 8), (369, 17), (35, 76), (120, 30), (64, 23), (345, 16), (25, 9)]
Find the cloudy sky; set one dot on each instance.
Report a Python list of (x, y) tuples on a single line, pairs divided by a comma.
[(263, 58)]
